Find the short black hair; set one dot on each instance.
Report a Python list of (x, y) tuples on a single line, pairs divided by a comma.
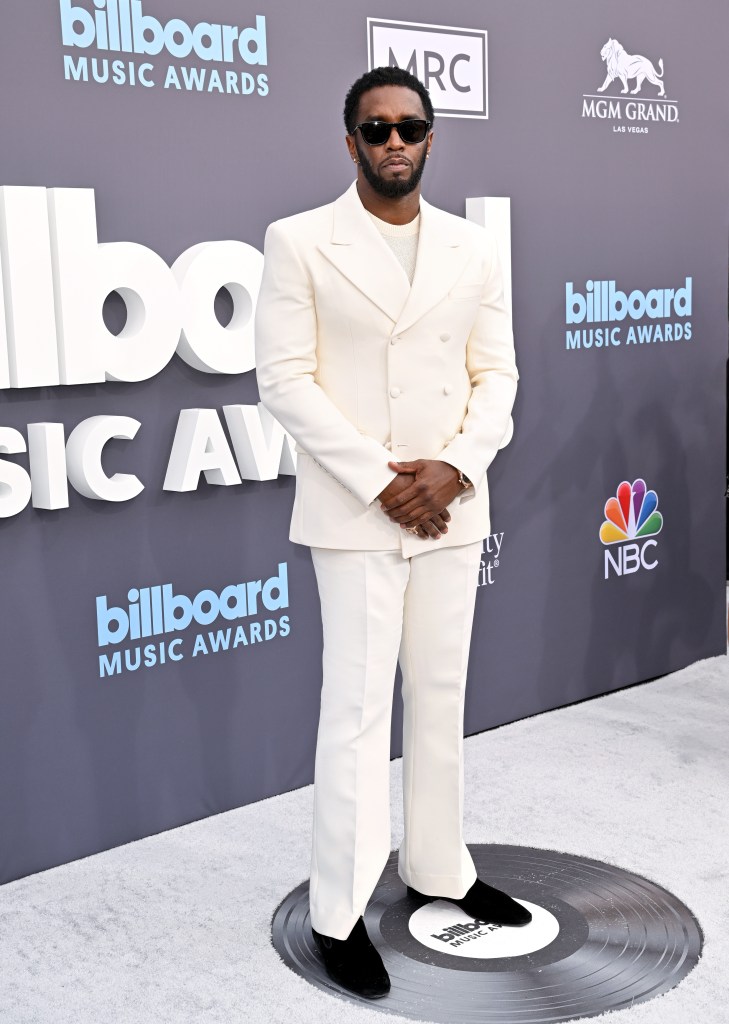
[(384, 76)]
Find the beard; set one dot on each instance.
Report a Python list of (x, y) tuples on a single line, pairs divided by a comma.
[(393, 188)]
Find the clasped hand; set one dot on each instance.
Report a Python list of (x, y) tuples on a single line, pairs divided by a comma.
[(417, 498)]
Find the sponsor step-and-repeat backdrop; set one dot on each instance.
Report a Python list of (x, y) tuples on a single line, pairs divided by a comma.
[(161, 637)]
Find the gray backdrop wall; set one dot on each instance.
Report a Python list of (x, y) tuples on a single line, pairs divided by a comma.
[(604, 187)]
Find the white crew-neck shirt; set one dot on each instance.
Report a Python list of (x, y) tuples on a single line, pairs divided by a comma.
[(403, 240)]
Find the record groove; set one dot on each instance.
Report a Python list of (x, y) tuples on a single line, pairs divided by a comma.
[(601, 939)]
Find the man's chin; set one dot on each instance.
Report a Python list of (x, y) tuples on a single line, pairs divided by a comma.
[(392, 188)]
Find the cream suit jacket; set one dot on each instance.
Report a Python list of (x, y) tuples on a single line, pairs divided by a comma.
[(362, 368)]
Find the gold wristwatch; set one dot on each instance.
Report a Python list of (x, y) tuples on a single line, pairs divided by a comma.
[(463, 480)]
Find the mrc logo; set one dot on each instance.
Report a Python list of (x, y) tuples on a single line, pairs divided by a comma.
[(451, 62), (632, 521)]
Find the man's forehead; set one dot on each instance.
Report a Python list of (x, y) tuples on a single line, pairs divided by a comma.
[(390, 100)]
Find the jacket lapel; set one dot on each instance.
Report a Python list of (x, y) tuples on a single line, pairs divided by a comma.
[(359, 252), (442, 258)]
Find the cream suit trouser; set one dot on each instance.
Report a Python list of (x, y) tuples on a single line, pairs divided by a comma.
[(378, 607)]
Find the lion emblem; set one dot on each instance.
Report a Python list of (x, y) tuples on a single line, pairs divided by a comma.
[(625, 66)]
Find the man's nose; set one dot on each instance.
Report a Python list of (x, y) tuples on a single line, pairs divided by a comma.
[(394, 141)]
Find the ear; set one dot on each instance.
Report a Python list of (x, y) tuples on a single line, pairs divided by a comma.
[(349, 139), (429, 143)]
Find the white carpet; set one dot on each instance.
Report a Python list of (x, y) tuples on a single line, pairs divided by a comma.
[(176, 928)]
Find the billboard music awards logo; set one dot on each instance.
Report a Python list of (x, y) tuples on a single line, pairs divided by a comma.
[(452, 63), (613, 317), (629, 115), (632, 521), (122, 29), (157, 614), (445, 928)]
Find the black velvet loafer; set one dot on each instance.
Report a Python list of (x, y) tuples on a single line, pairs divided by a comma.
[(485, 903), (354, 963)]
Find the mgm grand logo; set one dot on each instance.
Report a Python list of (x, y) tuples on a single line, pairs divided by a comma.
[(626, 113)]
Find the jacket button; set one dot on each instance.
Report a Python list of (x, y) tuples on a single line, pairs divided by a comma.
[(394, 392), (388, 445), (447, 388), (445, 337), (394, 339)]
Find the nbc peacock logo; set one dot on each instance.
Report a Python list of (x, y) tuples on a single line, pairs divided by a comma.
[(632, 521)]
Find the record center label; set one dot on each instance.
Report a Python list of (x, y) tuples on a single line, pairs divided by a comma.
[(442, 926)]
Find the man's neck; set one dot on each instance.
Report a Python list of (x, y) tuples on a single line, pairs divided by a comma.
[(400, 210)]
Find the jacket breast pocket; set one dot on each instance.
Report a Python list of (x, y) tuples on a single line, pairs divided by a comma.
[(465, 291)]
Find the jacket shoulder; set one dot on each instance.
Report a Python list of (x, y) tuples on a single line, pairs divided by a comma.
[(307, 225), (466, 232)]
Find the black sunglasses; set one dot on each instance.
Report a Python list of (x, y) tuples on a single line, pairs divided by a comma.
[(376, 133)]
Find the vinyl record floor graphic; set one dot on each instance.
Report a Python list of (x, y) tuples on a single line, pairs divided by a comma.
[(600, 939)]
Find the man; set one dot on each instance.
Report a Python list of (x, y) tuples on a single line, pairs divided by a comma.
[(384, 348)]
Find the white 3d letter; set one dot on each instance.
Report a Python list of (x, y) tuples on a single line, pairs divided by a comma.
[(84, 273), (494, 212), (201, 272), (14, 481), (83, 455), (28, 355), (262, 447), (200, 446), (47, 458)]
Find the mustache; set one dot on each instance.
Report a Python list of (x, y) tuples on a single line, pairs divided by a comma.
[(396, 160)]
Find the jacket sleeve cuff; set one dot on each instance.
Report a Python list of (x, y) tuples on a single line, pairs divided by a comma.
[(468, 467), (376, 484)]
